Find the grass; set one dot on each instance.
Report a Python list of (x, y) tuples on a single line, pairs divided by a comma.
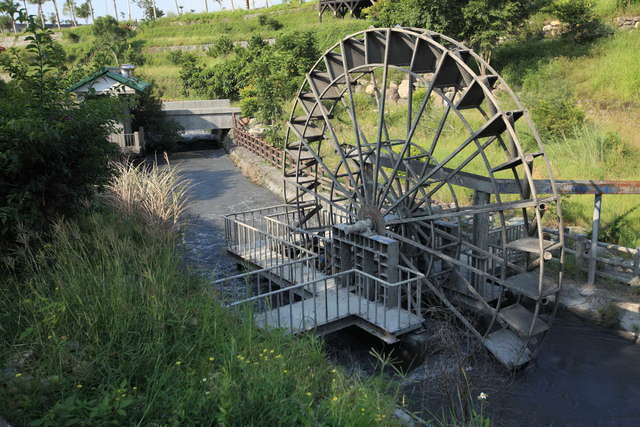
[(107, 327)]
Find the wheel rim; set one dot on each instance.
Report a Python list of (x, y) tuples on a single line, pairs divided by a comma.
[(398, 176)]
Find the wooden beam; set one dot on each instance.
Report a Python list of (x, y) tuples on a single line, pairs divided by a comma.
[(597, 208)]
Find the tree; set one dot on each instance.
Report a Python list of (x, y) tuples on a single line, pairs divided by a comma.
[(480, 23), (150, 9), (115, 10), (39, 3), (57, 12), (12, 10), (54, 150), (5, 23), (69, 9), (113, 42), (84, 11)]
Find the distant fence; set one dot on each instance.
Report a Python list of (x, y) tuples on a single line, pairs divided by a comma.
[(243, 138), (605, 260)]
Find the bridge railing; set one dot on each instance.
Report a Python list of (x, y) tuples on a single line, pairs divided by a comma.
[(247, 236), (322, 300), (243, 138)]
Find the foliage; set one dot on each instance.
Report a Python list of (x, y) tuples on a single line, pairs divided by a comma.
[(6, 24), (108, 328), (481, 23), (147, 7), (53, 151), (552, 103), (156, 195), (267, 21), (160, 132), (626, 4), (580, 16), (264, 77), (12, 13), (113, 43), (222, 46), (71, 37), (177, 57), (84, 10)]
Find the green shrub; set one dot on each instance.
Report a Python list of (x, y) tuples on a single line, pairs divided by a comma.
[(222, 46), (71, 37), (608, 316), (54, 152), (552, 103), (177, 57), (267, 21), (580, 16)]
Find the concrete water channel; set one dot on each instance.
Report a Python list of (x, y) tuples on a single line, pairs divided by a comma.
[(584, 376)]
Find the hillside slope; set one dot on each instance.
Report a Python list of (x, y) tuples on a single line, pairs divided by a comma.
[(599, 80)]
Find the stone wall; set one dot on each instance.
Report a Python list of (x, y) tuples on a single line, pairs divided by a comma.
[(627, 22)]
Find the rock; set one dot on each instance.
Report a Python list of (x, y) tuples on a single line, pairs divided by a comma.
[(393, 94), (370, 89), (403, 89)]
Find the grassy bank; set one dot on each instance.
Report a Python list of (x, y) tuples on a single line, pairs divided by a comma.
[(107, 327)]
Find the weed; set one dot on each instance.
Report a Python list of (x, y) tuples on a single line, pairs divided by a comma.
[(608, 315)]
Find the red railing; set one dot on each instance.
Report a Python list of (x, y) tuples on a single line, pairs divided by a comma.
[(257, 146)]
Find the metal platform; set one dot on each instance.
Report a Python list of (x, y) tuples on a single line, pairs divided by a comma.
[(289, 291)]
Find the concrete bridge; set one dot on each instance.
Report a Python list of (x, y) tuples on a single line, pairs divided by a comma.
[(201, 117)]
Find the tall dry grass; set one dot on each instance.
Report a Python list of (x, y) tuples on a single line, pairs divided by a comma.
[(158, 193)]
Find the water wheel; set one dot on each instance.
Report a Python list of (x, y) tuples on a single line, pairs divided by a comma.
[(416, 134)]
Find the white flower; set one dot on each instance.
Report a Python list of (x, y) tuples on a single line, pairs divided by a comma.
[(483, 396)]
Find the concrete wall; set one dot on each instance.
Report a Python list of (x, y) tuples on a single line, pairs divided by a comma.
[(201, 116)]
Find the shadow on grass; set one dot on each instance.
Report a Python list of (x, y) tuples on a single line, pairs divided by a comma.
[(516, 59)]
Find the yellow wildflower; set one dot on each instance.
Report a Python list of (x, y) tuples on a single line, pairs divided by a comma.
[(18, 375), (178, 363)]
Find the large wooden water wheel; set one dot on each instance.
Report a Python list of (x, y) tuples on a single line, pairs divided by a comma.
[(417, 135)]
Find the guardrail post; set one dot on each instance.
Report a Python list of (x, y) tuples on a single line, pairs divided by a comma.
[(597, 208), (636, 266), (581, 248)]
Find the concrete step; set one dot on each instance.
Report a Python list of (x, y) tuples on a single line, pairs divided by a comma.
[(508, 348)]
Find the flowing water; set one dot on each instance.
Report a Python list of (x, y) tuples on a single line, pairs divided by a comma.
[(584, 375)]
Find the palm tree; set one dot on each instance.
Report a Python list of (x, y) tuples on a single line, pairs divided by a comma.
[(40, 13), (55, 8), (84, 11), (11, 9), (115, 9), (69, 8)]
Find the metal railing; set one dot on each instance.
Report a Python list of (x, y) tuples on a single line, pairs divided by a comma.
[(322, 300)]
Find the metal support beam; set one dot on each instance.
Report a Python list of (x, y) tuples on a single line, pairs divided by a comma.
[(480, 238)]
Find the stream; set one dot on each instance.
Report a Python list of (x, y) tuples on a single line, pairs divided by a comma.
[(584, 375)]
